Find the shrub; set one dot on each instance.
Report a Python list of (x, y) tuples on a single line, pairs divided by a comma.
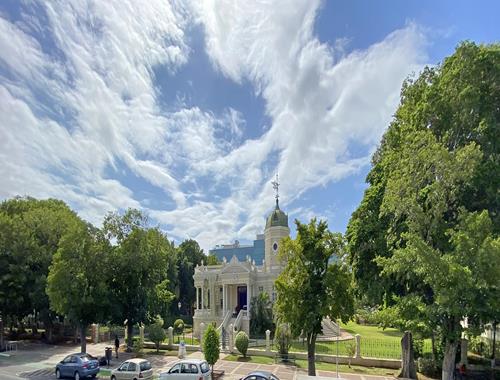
[(156, 332), (138, 347), (211, 344), (283, 338), (178, 326), (427, 366), (241, 342)]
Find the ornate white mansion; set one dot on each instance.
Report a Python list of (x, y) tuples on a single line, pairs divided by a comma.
[(223, 292)]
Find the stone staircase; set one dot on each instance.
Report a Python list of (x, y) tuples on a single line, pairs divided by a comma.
[(330, 329)]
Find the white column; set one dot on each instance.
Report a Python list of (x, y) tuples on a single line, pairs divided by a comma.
[(203, 298), (248, 296), (224, 299), (197, 297)]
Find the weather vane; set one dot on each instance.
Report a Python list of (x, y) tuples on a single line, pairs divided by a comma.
[(276, 186)]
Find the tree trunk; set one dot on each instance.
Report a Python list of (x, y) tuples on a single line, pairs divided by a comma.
[(83, 338), (311, 348), (129, 336), (433, 344), (408, 369), (493, 353), (449, 360)]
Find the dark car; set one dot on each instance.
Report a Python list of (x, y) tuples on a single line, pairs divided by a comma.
[(260, 375), (77, 366)]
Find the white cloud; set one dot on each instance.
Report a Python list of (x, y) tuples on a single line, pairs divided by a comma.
[(85, 107)]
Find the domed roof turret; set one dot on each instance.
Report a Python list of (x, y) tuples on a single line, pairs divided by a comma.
[(277, 218)]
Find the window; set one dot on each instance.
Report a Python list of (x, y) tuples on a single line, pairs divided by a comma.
[(208, 298), (185, 368), (74, 359), (145, 366), (175, 369), (67, 359), (132, 367), (274, 296), (194, 368), (261, 289), (123, 367), (204, 367)]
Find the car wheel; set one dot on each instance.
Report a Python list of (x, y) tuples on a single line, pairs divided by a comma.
[(58, 374), (77, 376), (113, 377)]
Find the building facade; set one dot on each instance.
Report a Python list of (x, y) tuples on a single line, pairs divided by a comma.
[(224, 292), (256, 251)]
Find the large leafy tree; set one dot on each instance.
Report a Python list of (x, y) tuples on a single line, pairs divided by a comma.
[(30, 234), (189, 254), (311, 288), (77, 283), (262, 316), (434, 178), (141, 263)]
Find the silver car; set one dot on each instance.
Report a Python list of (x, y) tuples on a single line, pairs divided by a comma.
[(133, 369), (190, 369)]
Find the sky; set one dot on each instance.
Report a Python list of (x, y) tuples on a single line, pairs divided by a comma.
[(187, 110)]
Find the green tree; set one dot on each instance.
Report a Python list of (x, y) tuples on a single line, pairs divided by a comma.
[(189, 254), (309, 288), (30, 232), (241, 342), (140, 268), (212, 260), (261, 315), (211, 346), (156, 332), (77, 281), (433, 179)]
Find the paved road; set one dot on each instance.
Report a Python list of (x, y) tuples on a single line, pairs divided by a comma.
[(37, 362)]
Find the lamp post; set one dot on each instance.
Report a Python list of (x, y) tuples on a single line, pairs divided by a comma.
[(179, 304)]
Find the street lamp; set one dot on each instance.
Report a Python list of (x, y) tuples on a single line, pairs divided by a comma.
[(179, 305)]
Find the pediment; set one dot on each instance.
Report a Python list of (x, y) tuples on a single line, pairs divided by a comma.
[(235, 266)]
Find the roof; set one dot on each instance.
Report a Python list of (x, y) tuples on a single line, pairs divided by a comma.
[(277, 218), (136, 360), (192, 361), (265, 374)]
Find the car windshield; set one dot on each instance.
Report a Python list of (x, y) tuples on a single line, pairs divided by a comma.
[(204, 367), (145, 366)]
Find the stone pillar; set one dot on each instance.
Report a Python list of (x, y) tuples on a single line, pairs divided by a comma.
[(170, 336), (126, 334), (268, 341), (141, 332), (203, 298), (202, 331), (464, 346), (97, 332), (224, 306), (197, 297), (93, 333), (358, 345)]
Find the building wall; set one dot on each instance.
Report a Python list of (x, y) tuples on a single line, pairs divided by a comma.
[(272, 235)]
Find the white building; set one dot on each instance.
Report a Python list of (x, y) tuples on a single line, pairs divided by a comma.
[(224, 292)]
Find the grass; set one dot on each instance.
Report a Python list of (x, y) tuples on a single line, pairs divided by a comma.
[(249, 359)]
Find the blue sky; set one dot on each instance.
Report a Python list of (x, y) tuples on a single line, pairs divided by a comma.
[(187, 110)]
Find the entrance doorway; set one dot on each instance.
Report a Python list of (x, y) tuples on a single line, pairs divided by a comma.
[(242, 298)]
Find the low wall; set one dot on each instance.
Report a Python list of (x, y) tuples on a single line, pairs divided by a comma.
[(173, 347)]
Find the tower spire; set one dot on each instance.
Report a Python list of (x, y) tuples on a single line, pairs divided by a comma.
[(276, 186)]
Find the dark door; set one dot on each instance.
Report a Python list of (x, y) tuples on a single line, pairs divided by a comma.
[(242, 297)]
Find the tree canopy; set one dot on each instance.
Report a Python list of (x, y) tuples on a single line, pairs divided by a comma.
[(428, 223), (311, 287)]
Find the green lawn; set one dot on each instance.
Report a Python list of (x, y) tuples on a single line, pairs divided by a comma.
[(249, 359)]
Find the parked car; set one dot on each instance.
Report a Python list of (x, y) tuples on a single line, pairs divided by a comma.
[(189, 369), (133, 369), (260, 375), (78, 366)]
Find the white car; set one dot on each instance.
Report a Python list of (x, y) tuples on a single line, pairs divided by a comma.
[(190, 369), (133, 369)]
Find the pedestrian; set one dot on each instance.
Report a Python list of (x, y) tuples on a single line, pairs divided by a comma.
[(117, 345)]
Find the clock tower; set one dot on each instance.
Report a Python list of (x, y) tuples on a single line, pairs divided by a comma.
[(276, 230)]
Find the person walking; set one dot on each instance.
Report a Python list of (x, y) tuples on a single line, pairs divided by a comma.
[(117, 345)]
